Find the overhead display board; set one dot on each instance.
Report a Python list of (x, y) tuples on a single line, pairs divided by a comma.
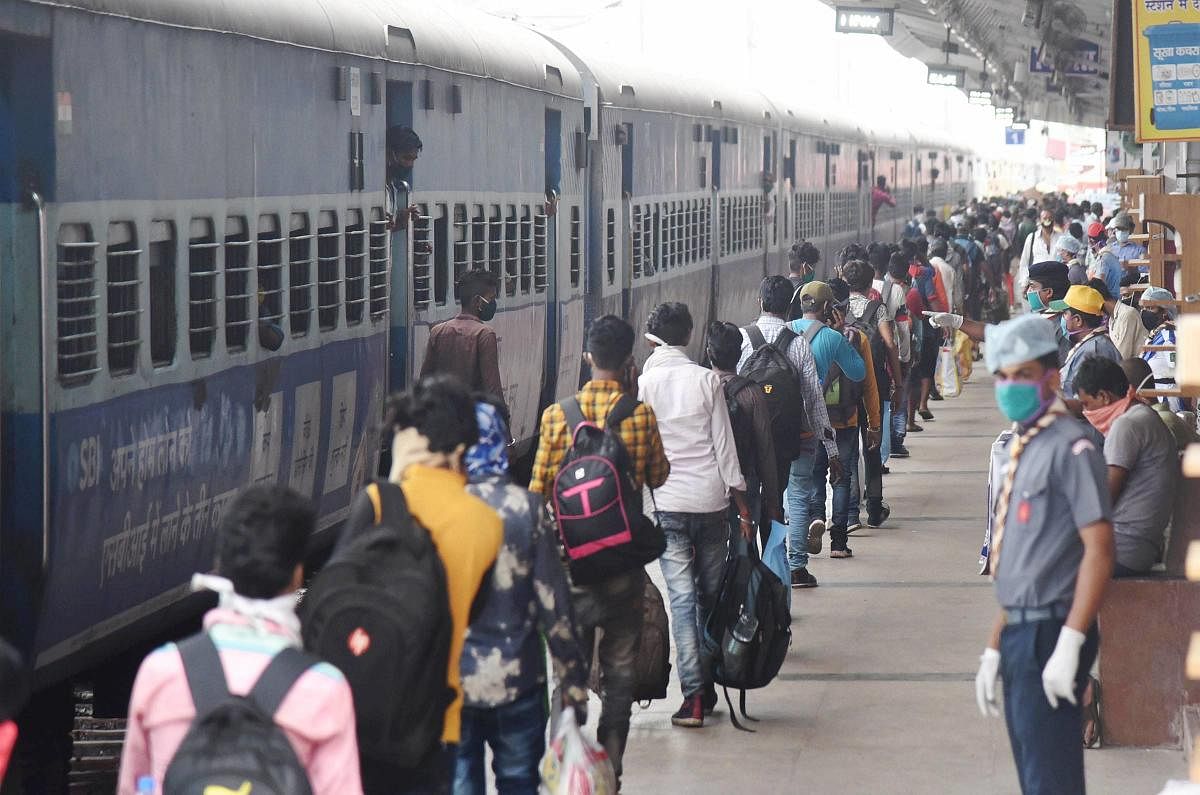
[(1166, 41), (860, 19), (946, 76)]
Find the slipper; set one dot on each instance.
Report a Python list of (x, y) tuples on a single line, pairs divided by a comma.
[(926, 414), (914, 428)]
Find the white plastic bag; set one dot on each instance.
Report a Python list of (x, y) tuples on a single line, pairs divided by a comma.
[(947, 372), (573, 765)]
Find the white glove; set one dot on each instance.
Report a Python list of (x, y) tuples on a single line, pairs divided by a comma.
[(1058, 677), (945, 320), (985, 683)]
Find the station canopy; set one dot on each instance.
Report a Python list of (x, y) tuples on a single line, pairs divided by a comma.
[(1044, 59)]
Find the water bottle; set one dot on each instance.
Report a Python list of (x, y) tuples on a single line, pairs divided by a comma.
[(145, 784), (737, 643)]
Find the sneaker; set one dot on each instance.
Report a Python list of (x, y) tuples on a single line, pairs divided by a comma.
[(691, 714), (802, 579), (887, 470), (841, 552), (877, 518), (926, 414), (815, 531), (899, 451), (850, 528), (708, 698)]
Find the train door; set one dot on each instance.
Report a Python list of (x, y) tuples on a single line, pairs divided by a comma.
[(549, 242), (27, 369), (399, 196)]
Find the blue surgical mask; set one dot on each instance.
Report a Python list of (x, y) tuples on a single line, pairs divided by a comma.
[(1035, 300), (1062, 324), (1021, 401), (1122, 236)]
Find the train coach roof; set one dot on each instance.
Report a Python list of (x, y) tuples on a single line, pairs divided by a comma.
[(455, 39)]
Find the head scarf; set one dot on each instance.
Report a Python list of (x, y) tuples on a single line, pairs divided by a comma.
[(489, 456)]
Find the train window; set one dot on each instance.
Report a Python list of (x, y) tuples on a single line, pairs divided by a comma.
[(237, 283), (124, 313), (648, 241), (526, 250), (356, 271), (422, 258), (202, 287), (697, 230), (299, 274), (76, 288), (162, 293), (378, 243), (270, 270), (666, 227), (329, 276), (725, 218), (441, 260), (512, 250), (656, 237), (635, 254), (495, 238), (462, 241), (478, 237), (576, 234), (610, 246), (540, 255), (704, 172)]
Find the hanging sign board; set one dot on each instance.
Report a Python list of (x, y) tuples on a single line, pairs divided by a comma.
[(859, 19), (979, 97), (1166, 65), (946, 76)]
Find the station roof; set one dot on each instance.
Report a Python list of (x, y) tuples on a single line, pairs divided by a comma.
[(1047, 59)]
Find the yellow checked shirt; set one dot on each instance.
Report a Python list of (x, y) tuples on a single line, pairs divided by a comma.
[(596, 400)]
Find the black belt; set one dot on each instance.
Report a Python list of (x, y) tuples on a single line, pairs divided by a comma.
[(1027, 615)]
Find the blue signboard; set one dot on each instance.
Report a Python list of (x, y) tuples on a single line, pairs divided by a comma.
[(1014, 137)]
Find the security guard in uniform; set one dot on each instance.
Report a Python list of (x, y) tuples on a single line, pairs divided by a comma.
[(1051, 557)]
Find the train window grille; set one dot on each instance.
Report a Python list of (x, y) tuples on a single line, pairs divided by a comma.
[(635, 253), (610, 246), (726, 219), (655, 260), (479, 237), (270, 270), (237, 283), (648, 241), (356, 267), (512, 250), (670, 241), (378, 257), (299, 274), (202, 287), (441, 254), (422, 258), (329, 266), (462, 241), (124, 312), (706, 223), (76, 287), (495, 240), (162, 293), (540, 254), (526, 250), (576, 261)]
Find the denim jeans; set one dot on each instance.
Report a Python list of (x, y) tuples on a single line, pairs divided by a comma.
[(800, 490), (899, 418), (885, 445), (697, 545), (872, 475), (1045, 741), (516, 733), (847, 442)]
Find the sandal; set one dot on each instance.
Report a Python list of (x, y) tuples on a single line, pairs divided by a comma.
[(1090, 705), (914, 428), (926, 414)]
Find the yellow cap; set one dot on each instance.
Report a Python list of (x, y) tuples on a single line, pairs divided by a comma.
[(1082, 298)]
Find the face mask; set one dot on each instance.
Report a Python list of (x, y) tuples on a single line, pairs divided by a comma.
[(488, 310), (1035, 300), (1122, 236), (1150, 320), (1047, 223), (1021, 401), (1102, 419)]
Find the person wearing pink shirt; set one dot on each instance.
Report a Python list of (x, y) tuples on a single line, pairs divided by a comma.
[(260, 548)]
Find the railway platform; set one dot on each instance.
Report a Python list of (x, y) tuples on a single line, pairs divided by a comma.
[(877, 693)]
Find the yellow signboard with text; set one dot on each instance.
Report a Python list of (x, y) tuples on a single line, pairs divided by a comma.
[(1166, 64)]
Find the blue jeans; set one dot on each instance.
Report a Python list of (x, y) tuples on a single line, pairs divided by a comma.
[(899, 419), (847, 442), (800, 490), (885, 446), (1045, 741), (697, 546), (516, 733)]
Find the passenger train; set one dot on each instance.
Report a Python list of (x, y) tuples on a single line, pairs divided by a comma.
[(199, 289)]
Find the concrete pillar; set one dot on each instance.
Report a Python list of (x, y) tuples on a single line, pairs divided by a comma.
[(1192, 166)]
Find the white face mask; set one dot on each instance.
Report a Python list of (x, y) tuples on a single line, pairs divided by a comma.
[(280, 611), (1122, 236)]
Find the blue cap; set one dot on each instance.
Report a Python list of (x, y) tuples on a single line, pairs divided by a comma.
[(1022, 339)]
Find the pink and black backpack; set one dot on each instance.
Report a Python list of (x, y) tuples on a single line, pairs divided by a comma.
[(597, 503)]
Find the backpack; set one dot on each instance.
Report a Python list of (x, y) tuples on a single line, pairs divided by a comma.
[(741, 422), (749, 629), (842, 395), (380, 612), (234, 744), (770, 368), (868, 323), (652, 667), (597, 503)]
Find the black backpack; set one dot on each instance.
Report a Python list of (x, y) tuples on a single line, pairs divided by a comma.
[(770, 368), (842, 395), (868, 323), (380, 612), (749, 630), (741, 422), (234, 743), (597, 503), (652, 666)]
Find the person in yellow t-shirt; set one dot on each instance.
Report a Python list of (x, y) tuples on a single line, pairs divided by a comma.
[(432, 425)]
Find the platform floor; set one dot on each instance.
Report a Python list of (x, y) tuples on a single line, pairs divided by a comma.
[(877, 693)]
